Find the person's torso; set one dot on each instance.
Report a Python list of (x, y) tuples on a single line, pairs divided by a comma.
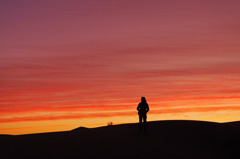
[(143, 107)]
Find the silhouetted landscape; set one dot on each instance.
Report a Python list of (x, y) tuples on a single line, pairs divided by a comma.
[(173, 139)]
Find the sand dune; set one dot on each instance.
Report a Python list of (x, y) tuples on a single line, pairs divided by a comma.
[(163, 140)]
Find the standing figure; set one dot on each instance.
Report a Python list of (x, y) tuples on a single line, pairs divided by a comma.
[(142, 112)]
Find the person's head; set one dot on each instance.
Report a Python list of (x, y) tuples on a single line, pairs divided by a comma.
[(143, 100)]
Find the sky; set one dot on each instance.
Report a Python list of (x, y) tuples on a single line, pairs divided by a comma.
[(71, 63)]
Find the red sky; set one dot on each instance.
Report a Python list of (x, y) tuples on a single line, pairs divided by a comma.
[(71, 63)]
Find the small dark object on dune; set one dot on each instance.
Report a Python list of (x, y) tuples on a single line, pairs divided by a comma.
[(109, 123)]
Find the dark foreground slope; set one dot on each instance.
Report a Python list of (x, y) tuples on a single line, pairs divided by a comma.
[(163, 140)]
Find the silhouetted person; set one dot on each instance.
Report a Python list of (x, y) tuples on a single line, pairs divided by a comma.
[(142, 112)]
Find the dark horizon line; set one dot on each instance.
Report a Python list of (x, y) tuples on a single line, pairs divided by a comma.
[(154, 121)]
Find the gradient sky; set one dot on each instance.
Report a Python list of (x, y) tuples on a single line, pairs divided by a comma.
[(71, 63)]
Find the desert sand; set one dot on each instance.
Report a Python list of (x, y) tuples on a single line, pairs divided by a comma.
[(173, 139)]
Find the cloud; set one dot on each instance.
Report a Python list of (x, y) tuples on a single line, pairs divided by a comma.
[(31, 128), (80, 116)]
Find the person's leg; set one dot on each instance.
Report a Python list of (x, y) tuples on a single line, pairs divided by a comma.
[(145, 122), (140, 122)]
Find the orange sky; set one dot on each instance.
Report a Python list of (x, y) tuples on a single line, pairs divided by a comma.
[(65, 64)]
